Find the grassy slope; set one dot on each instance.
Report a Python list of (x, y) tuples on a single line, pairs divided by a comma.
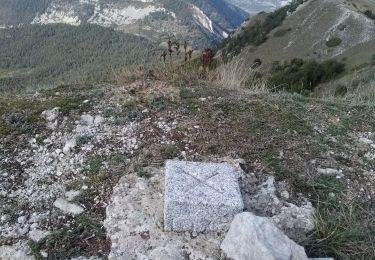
[(40, 55), (303, 35)]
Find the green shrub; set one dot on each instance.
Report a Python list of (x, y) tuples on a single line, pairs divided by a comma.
[(333, 42), (303, 76), (93, 165), (83, 139), (341, 91), (169, 151), (156, 102), (281, 32), (369, 14)]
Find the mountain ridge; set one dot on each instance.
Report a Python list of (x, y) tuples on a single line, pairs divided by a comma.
[(201, 22)]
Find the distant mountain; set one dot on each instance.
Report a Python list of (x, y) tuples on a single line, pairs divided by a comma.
[(256, 6), (201, 21)]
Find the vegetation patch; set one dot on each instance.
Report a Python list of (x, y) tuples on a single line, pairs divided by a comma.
[(169, 151), (303, 76), (85, 237), (93, 166), (343, 231), (369, 14), (333, 42), (83, 139), (341, 91), (281, 32), (42, 55)]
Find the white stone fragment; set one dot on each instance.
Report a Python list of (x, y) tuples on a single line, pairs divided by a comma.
[(37, 235), (254, 238), (72, 194), (18, 251), (51, 117), (98, 120), (87, 120), (67, 207), (69, 146)]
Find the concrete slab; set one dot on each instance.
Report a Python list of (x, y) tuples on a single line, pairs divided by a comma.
[(200, 197)]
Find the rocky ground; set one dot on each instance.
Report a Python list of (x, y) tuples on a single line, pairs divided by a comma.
[(81, 168)]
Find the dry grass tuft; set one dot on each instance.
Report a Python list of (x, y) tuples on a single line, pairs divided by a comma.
[(343, 230), (237, 75)]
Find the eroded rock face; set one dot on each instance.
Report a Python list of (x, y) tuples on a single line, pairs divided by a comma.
[(134, 223), (253, 238), (200, 196)]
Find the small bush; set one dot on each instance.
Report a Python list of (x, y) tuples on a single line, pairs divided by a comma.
[(333, 42), (169, 151), (93, 166), (281, 32), (369, 14), (156, 102), (341, 91), (83, 139), (342, 27)]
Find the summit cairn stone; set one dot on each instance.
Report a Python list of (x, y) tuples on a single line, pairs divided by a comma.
[(200, 197)]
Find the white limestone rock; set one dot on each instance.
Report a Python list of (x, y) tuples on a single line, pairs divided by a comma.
[(87, 258), (72, 194), (255, 238), (69, 145), (51, 117), (98, 120), (17, 251), (87, 120), (67, 207), (37, 235)]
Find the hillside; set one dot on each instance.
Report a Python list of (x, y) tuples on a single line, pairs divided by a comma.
[(314, 30), (202, 22), (34, 56)]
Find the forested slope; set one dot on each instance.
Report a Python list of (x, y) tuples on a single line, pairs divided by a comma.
[(37, 55)]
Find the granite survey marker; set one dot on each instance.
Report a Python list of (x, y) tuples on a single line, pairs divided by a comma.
[(200, 197)]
